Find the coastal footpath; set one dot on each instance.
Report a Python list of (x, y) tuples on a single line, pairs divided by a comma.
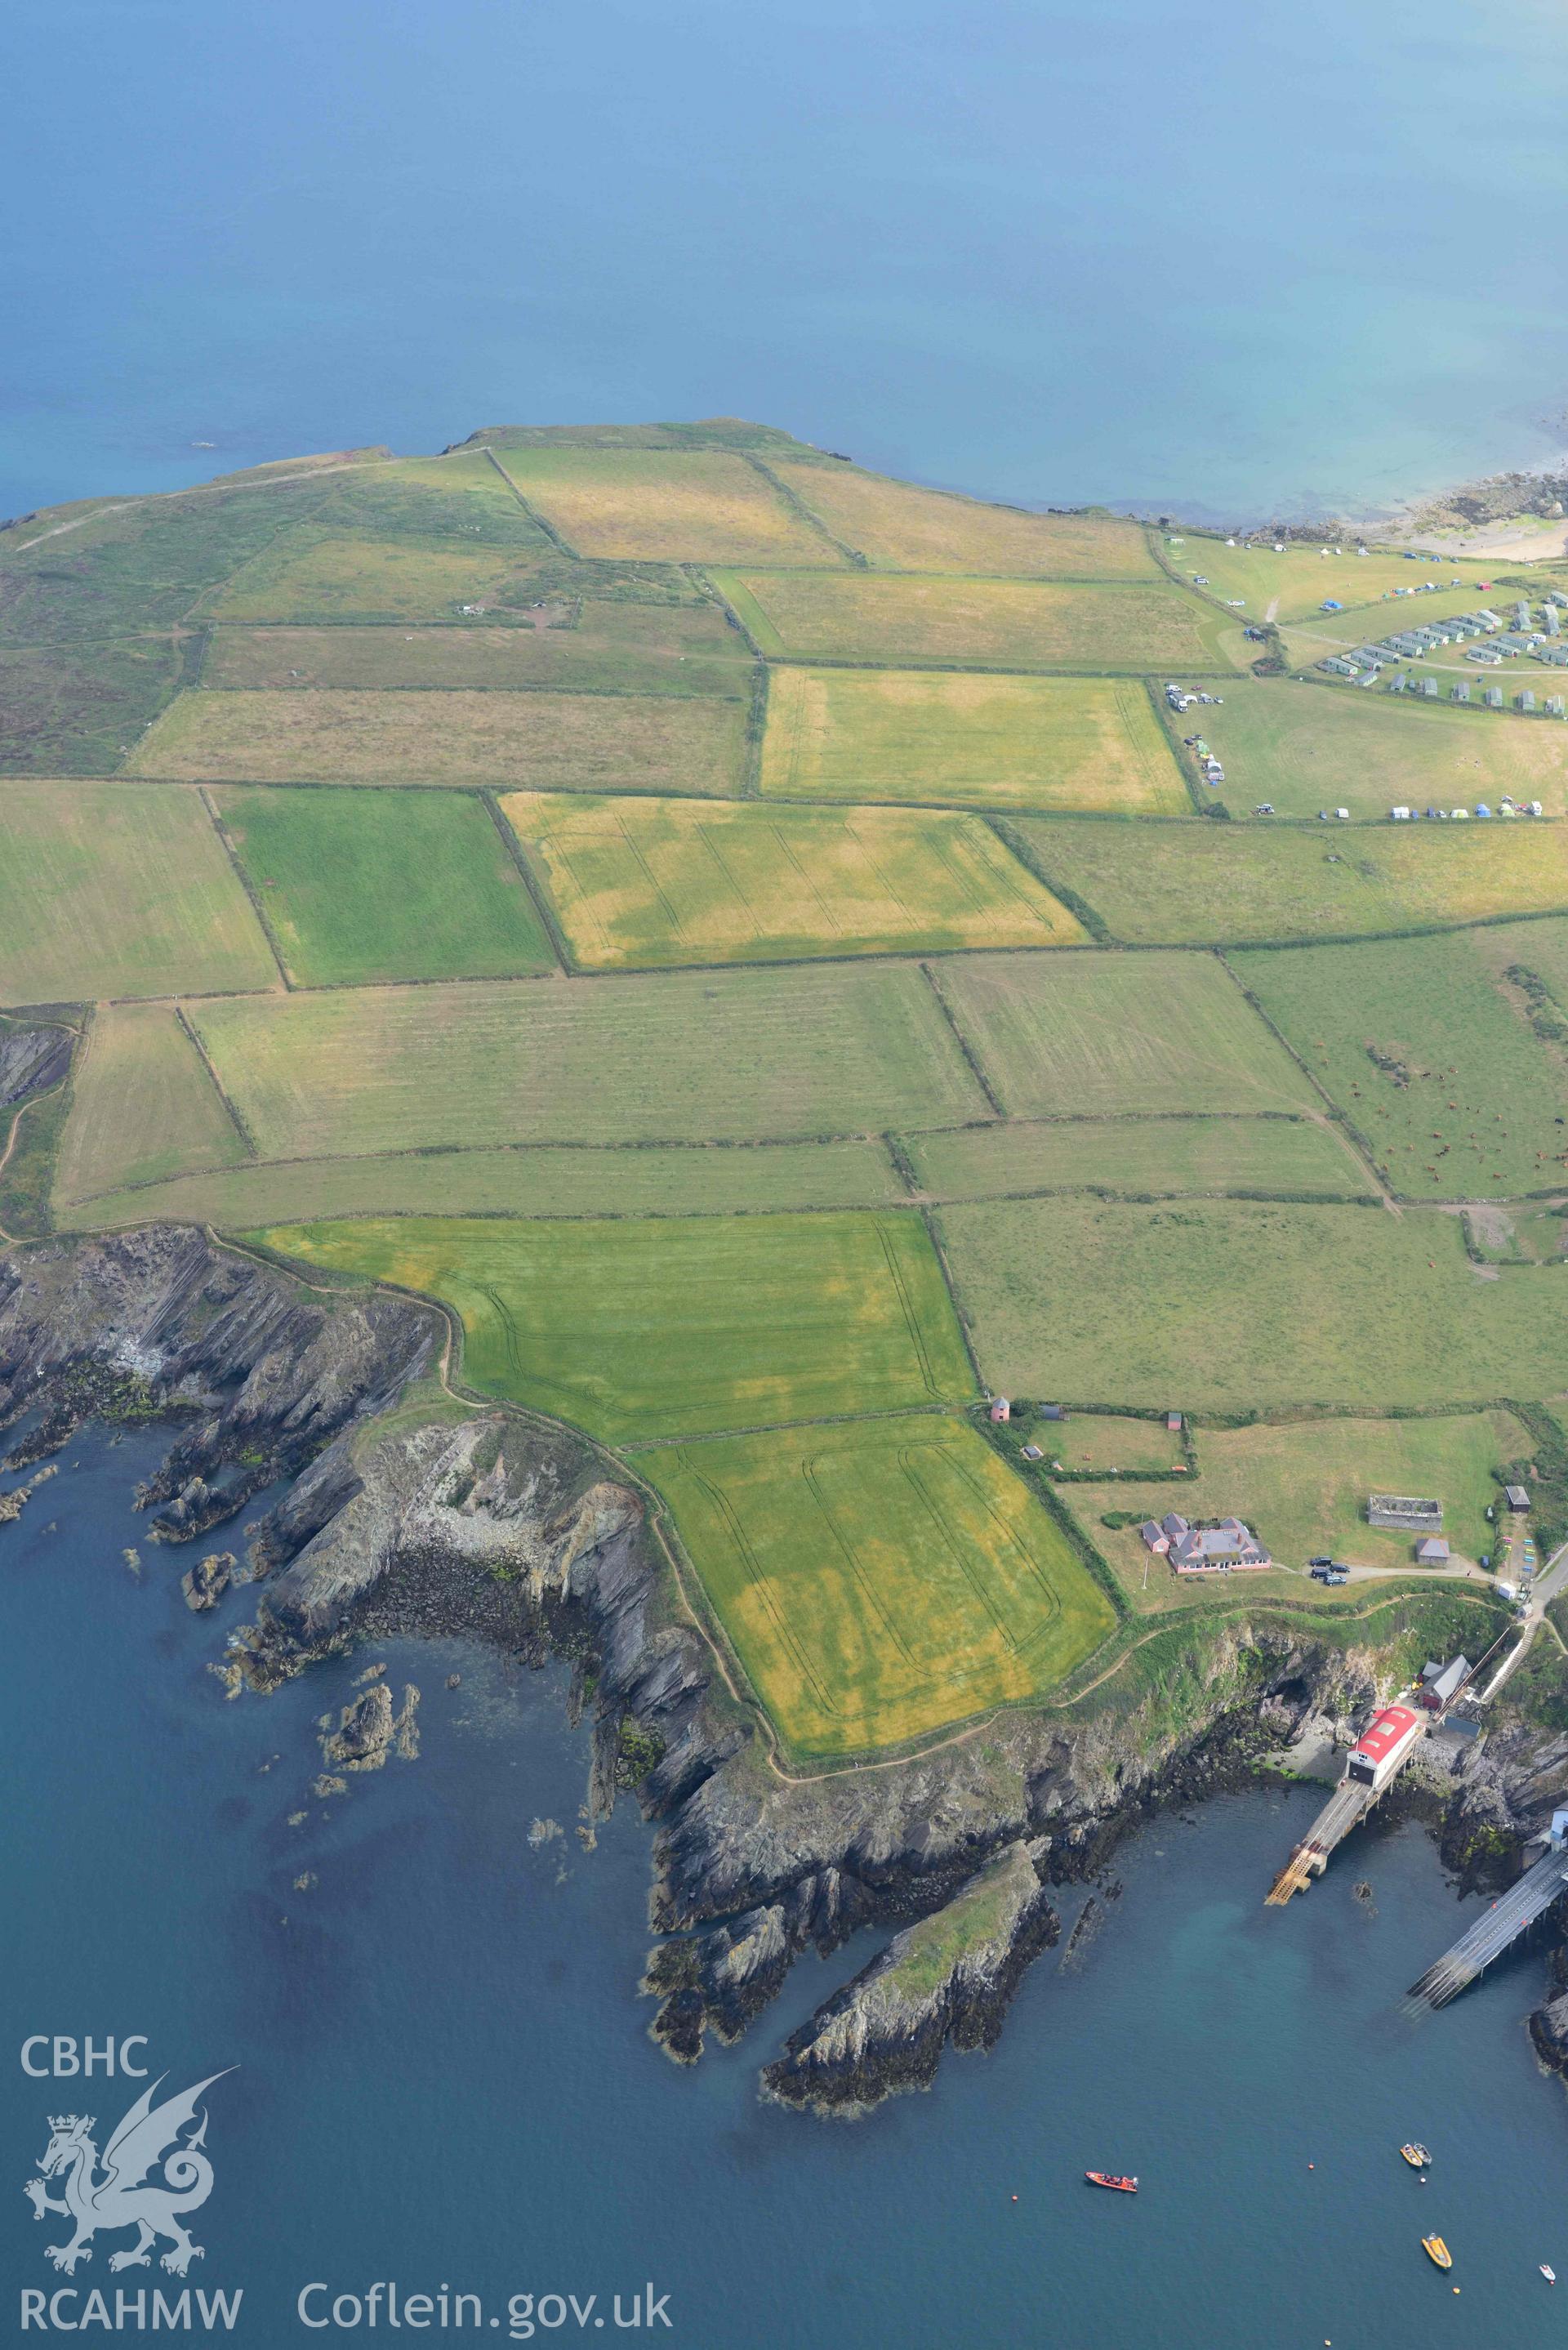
[(410, 1512)]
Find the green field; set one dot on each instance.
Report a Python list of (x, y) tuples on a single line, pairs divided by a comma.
[(142, 1107), (1230, 884), (1307, 747), (1136, 1157), (549, 1181), (880, 1580), (77, 709), (637, 883), (594, 648), (109, 890), (1230, 1306), (313, 575), (1294, 585), (1302, 1488), (648, 504), (1105, 1442), (360, 886), (548, 741), (1420, 1045), (1018, 624), (742, 1056), (1096, 1035), (926, 736), (670, 1327), (128, 565), (899, 527), (459, 496)]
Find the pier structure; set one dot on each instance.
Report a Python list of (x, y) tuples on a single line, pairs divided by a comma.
[(1508, 1917), (1373, 1761)]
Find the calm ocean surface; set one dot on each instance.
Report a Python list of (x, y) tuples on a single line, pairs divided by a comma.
[(1235, 259), (444, 2078)]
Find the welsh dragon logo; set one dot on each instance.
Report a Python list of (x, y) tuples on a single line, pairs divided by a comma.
[(146, 2139)]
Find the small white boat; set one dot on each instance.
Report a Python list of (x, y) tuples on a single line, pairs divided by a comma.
[(1548, 2271)]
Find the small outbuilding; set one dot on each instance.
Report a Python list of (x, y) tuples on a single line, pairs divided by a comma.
[(1516, 1497), (1001, 1410), (1032, 1452), (1173, 1422), (1433, 1552), (1441, 1682), (1053, 1411)]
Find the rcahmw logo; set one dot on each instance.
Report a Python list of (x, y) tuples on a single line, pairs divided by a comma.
[(154, 2172)]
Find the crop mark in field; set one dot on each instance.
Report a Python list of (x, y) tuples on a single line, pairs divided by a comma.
[(1012, 1539), (911, 1319), (761, 1589), (829, 918), (810, 1471), (956, 1551), (508, 1327)]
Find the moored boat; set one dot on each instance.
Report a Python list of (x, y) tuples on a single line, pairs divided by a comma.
[(1416, 2154), (1548, 2271), (1437, 2252), (1113, 2180)]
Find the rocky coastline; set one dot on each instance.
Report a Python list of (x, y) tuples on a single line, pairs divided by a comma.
[(495, 1525)]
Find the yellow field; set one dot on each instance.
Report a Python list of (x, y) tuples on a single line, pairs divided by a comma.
[(111, 890), (899, 527), (922, 736), (637, 883), (143, 1108), (557, 741), (880, 1580), (659, 505), (1101, 628)]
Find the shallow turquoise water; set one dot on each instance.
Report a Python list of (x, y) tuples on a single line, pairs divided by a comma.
[(1233, 259), (444, 2077)]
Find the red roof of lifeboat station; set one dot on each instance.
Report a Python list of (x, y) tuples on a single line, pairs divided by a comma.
[(1380, 1739)]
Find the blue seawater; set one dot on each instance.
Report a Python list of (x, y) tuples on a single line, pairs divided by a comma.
[(444, 2078), (1228, 260)]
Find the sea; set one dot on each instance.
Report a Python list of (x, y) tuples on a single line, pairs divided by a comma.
[(1228, 260), (419, 1998)]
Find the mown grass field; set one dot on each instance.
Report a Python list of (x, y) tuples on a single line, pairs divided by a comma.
[(362, 886), (652, 505), (1138, 1157), (637, 883), (549, 1181), (1307, 747), (560, 742), (881, 1580), (1418, 1043), (1230, 884), (1019, 624), (667, 1327), (1098, 1035), (924, 737), (1294, 585), (899, 527), (1105, 1442), (742, 1056), (108, 889), (77, 709), (310, 575), (602, 648), (1232, 1304), (1303, 1486), (142, 1106)]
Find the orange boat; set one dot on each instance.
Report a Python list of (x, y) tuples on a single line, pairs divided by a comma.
[(1111, 2178)]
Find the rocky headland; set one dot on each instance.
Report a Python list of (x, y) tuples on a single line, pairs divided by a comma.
[(409, 1514)]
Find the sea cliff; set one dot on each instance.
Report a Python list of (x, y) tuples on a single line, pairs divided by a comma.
[(412, 1512)]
